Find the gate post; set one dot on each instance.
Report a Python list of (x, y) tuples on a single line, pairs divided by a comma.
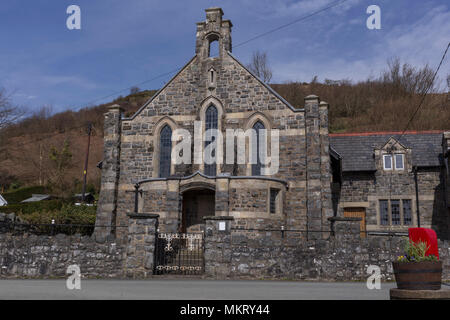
[(141, 244), (218, 246)]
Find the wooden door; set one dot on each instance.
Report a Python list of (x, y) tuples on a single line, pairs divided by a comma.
[(357, 213)]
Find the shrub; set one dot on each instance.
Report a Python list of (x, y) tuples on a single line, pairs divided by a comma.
[(69, 219), (21, 194), (67, 214), (32, 207)]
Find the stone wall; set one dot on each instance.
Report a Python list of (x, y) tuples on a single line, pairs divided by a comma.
[(49, 256), (230, 252), (239, 253)]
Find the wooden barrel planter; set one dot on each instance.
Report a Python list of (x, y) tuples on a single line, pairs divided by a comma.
[(425, 275)]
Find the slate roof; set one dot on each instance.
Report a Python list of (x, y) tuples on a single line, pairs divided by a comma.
[(3, 201), (357, 149), (37, 197)]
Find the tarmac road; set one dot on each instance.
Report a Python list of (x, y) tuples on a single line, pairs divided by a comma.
[(191, 289)]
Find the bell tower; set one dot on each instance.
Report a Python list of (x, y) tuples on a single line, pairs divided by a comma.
[(211, 30)]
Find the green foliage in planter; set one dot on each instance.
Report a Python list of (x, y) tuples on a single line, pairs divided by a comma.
[(415, 252)]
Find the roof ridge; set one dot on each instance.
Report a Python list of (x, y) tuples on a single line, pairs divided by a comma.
[(376, 133)]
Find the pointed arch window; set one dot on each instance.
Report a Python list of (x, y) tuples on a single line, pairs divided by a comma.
[(211, 122), (256, 167), (165, 149)]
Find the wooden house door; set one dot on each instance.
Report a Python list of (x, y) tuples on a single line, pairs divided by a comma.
[(357, 213)]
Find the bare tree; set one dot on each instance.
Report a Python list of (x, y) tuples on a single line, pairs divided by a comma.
[(8, 112), (61, 162), (260, 66), (408, 79)]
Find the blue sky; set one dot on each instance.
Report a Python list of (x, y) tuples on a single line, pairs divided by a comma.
[(122, 43)]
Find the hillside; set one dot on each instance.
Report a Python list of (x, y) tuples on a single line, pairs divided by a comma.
[(386, 103)]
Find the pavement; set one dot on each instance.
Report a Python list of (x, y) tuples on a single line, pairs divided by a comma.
[(191, 289)]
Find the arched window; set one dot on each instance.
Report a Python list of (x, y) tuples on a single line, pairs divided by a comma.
[(211, 122), (165, 149), (256, 167)]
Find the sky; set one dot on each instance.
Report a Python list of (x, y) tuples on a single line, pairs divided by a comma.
[(124, 43)]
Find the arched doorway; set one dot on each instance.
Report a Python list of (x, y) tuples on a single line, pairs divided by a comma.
[(197, 203)]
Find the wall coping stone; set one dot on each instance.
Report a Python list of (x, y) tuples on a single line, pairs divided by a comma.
[(312, 97), (115, 107)]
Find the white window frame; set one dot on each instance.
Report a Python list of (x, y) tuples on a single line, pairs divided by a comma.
[(384, 162), (403, 161)]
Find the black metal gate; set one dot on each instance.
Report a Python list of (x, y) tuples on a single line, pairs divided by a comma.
[(179, 253)]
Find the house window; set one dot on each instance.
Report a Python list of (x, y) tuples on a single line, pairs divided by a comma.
[(399, 162), (407, 218), (395, 212), (273, 200), (387, 162), (384, 212), (256, 167), (211, 122), (165, 148)]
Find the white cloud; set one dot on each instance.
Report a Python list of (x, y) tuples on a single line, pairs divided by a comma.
[(418, 43), (423, 41), (299, 8)]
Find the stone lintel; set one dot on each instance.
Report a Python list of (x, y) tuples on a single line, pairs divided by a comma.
[(334, 219)]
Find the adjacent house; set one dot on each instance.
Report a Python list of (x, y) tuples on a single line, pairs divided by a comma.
[(392, 181)]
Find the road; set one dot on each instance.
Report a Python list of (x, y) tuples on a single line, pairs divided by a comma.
[(191, 289)]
